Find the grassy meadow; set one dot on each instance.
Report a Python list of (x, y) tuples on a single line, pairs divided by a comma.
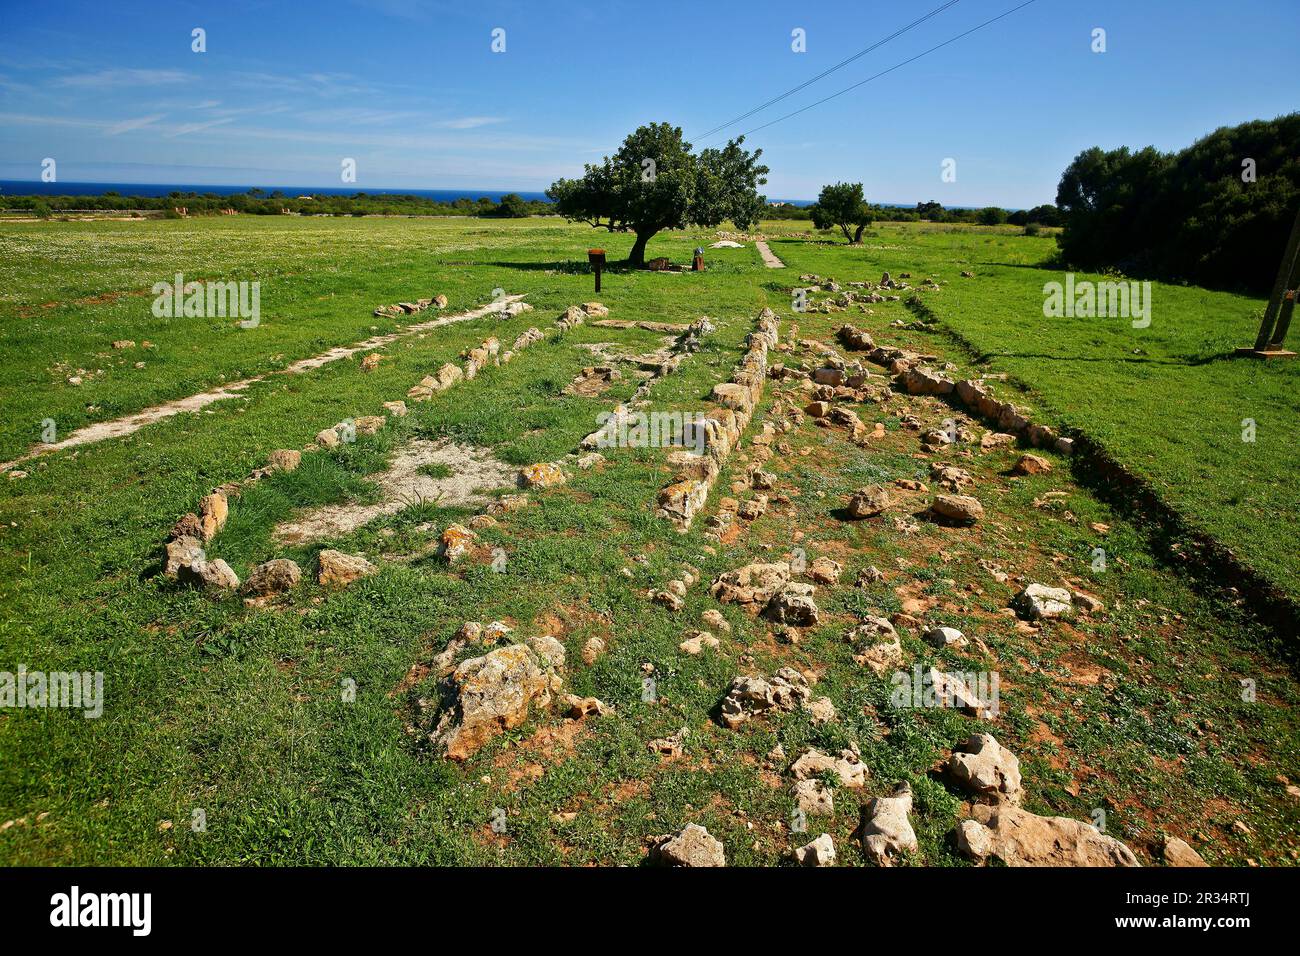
[(237, 711)]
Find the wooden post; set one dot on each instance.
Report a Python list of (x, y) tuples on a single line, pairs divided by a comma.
[(1281, 303), (597, 259)]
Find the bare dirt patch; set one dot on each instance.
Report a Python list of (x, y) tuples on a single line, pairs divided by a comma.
[(404, 483)]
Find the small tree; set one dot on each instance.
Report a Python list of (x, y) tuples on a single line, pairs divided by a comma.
[(512, 206), (654, 182), (842, 205)]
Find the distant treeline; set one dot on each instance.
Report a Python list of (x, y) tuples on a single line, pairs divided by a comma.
[(259, 202), (1217, 213), (1046, 215)]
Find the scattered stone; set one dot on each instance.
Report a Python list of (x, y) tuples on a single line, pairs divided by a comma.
[(339, 570), (753, 584), (1177, 852), (825, 571), (1032, 465), (820, 710), (213, 511), (575, 707), (754, 696), (714, 619), (670, 747), (794, 604), (1020, 838), (867, 502), (693, 846), (813, 797), (959, 508), (327, 438), (369, 424), (697, 643), (396, 409), (848, 766), (886, 830), (490, 694), (986, 769), (182, 551), (284, 459), (543, 475), (1038, 601), (273, 577), (188, 526), (208, 575), (883, 651), (592, 650), (754, 508), (820, 852), (941, 637), (456, 542)]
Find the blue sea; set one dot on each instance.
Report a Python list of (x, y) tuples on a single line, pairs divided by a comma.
[(18, 187)]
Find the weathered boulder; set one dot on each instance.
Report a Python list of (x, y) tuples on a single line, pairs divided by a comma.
[(848, 766), (490, 694), (283, 459), (182, 551), (942, 637), (1038, 601), (213, 511), (542, 475), (867, 502), (214, 575), (753, 584), (820, 852), (881, 649), (794, 604), (1032, 465), (338, 569), (1177, 852), (753, 696), (963, 509), (1020, 838), (813, 797), (693, 846), (886, 830), (985, 769), (824, 570), (272, 577), (456, 542)]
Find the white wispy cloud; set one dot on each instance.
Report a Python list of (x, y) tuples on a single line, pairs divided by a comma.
[(124, 77), (127, 125), (197, 127), (469, 122)]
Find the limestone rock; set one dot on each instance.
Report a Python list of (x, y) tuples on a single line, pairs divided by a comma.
[(753, 696), (794, 604), (825, 571), (284, 459), (886, 830), (338, 569), (182, 552), (490, 694), (813, 797), (820, 852), (959, 508), (1038, 601), (273, 577), (1032, 465), (753, 584), (848, 766), (1176, 852), (693, 846), (942, 637), (207, 575), (592, 650), (1020, 838), (456, 542), (213, 511), (867, 502), (986, 770), (542, 475)]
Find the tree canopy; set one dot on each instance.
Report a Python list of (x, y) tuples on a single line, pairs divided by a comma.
[(655, 182), (842, 205), (1217, 213)]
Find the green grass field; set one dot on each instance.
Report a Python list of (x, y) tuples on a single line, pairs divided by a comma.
[(237, 711)]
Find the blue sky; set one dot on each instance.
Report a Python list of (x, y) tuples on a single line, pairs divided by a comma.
[(412, 91)]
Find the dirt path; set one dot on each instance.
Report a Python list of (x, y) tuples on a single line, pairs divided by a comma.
[(119, 427), (769, 257)]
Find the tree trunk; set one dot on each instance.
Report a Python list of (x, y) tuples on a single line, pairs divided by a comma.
[(636, 258), (857, 236)]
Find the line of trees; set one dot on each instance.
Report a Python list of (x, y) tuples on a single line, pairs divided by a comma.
[(259, 202), (1217, 213), (841, 206)]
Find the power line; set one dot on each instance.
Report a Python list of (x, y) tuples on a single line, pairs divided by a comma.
[(825, 73), (896, 66)]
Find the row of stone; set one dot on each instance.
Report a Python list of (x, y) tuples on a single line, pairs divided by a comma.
[(914, 377), (719, 432), (411, 308)]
